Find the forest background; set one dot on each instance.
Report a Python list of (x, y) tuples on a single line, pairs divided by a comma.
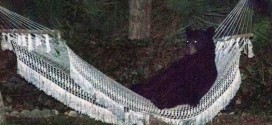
[(101, 32)]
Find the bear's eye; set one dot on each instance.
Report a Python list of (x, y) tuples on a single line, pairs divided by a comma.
[(195, 41), (187, 41)]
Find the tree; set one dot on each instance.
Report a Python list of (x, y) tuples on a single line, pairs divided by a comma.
[(139, 19)]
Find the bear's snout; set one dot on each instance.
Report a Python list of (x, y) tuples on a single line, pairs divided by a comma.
[(190, 49)]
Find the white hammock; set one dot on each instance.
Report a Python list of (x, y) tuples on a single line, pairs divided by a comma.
[(53, 67)]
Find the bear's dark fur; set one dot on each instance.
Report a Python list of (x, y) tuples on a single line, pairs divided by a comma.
[(188, 79)]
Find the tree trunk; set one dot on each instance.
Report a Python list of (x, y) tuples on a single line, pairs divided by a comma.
[(2, 110), (270, 14), (139, 19)]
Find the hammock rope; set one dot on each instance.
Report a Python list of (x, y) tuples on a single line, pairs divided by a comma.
[(20, 21), (241, 15), (49, 64)]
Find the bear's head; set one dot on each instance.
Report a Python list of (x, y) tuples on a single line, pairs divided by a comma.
[(200, 41)]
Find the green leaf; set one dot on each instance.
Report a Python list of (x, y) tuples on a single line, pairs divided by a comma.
[(243, 76), (250, 69)]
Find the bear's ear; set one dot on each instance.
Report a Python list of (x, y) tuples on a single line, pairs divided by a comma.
[(188, 31), (210, 31)]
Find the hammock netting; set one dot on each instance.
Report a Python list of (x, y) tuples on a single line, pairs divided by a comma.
[(47, 62)]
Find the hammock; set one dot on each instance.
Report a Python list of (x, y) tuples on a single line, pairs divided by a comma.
[(47, 62)]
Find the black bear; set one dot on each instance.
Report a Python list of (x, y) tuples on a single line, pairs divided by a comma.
[(188, 79)]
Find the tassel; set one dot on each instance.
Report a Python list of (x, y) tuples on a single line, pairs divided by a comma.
[(19, 40), (4, 37), (4, 41), (37, 41), (30, 47), (8, 38), (250, 48), (48, 49), (7, 45), (244, 47), (247, 48), (23, 39)]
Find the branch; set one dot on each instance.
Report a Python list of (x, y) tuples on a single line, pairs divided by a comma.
[(219, 9), (215, 14), (205, 21)]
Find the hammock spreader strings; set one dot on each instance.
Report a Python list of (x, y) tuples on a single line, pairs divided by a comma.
[(238, 22), (27, 29), (107, 92), (11, 20)]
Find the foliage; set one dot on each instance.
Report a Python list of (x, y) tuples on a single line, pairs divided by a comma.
[(188, 7), (195, 11), (262, 32), (5, 3), (93, 21), (48, 12)]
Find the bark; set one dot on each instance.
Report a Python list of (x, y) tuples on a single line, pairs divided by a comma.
[(270, 14), (139, 19), (2, 110)]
